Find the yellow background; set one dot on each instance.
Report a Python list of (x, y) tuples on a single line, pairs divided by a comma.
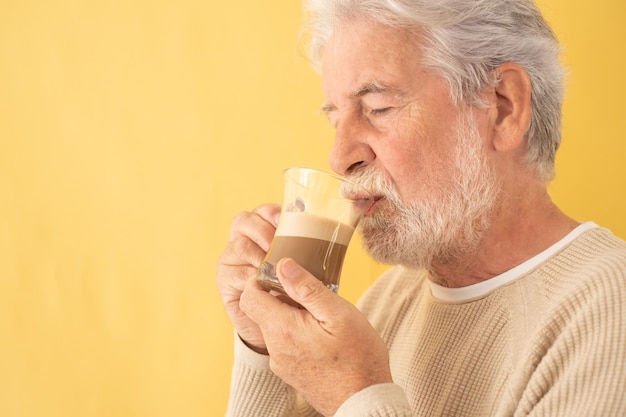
[(131, 133)]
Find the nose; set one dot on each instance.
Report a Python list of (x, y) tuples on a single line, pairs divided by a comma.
[(351, 149)]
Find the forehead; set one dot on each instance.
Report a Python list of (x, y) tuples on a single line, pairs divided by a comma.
[(365, 52)]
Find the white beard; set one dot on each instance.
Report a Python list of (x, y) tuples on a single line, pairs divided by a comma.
[(442, 228)]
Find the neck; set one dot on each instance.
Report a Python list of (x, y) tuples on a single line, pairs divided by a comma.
[(521, 227)]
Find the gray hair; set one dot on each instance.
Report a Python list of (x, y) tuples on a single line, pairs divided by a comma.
[(465, 41)]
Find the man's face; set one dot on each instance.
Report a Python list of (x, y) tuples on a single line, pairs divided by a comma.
[(399, 134)]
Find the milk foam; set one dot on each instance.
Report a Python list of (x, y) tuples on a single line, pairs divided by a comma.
[(312, 226)]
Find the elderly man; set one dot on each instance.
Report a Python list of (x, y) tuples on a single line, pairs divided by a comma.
[(449, 112)]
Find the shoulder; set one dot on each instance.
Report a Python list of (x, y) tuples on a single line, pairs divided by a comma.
[(594, 260), (580, 338), (583, 287), (599, 245)]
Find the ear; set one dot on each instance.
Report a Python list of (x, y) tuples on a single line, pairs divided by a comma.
[(512, 95)]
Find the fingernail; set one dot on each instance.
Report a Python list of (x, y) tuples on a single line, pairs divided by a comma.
[(290, 269)]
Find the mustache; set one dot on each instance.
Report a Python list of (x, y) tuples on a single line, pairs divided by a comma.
[(382, 187), (373, 181)]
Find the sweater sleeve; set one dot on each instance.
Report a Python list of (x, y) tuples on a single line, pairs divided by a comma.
[(256, 391), (382, 400)]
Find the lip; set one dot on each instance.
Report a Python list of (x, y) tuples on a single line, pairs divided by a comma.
[(374, 202)]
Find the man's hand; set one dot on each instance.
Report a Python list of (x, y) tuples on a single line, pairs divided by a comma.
[(250, 237), (326, 350)]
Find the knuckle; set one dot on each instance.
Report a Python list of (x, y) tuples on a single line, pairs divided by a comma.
[(239, 219), (234, 267), (276, 367), (244, 301), (234, 276), (248, 302), (311, 289), (222, 261), (246, 249), (246, 272), (240, 245)]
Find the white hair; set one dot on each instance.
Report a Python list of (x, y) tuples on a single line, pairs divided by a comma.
[(465, 41)]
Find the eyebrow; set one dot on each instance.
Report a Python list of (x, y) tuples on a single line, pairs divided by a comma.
[(372, 87)]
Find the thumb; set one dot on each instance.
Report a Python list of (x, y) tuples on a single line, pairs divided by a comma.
[(305, 289)]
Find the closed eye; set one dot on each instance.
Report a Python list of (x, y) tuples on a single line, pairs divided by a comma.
[(379, 112)]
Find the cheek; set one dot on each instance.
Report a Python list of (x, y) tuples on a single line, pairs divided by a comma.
[(418, 151), (402, 164), (420, 164)]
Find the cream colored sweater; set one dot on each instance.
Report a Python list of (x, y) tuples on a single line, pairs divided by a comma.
[(551, 342)]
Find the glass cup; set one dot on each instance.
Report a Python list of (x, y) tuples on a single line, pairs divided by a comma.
[(319, 214)]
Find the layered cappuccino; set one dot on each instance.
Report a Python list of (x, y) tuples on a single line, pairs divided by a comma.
[(317, 243)]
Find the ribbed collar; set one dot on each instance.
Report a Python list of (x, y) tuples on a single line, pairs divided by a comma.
[(462, 294)]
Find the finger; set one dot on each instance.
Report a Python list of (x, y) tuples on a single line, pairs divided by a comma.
[(269, 212), (258, 225), (232, 279), (242, 252), (259, 305), (250, 226), (239, 262), (250, 237), (306, 290)]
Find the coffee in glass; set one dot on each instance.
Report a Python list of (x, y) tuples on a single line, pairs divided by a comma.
[(320, 212)]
